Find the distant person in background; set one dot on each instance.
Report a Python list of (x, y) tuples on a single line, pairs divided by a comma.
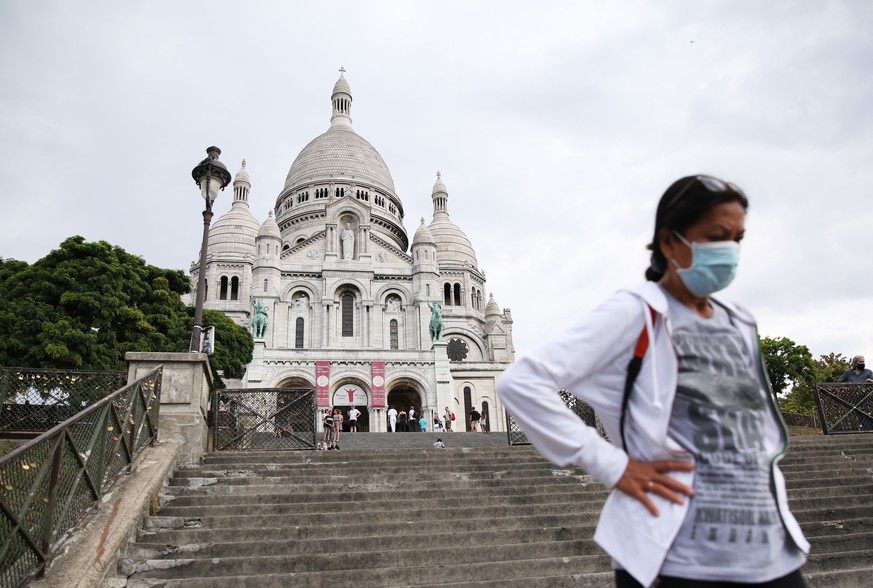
[(422, 424), (474, 420), (447, 420), (337, 426), (328, 439), (392, 419), (858, 374), (354, 413), (483, 422), (438, 444), (413, 422), (437, 425), (402, 419)]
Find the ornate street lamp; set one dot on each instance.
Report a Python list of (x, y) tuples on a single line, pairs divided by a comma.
[(211, 176)]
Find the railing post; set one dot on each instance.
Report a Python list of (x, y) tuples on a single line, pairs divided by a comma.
[(54, 478)]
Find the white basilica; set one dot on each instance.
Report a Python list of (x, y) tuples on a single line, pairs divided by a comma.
[(348, 301)]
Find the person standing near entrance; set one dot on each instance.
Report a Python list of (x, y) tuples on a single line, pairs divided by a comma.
[(327, 423), (402, 416), (447, 420), (392, 419), (474, 420), (413, 422), (483, 422), (337, 426), (354, 413)]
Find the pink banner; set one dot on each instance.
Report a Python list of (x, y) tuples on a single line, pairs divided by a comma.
[(322, 383), (378, 384)]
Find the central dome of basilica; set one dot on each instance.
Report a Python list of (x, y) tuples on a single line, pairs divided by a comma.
[(340, 154)]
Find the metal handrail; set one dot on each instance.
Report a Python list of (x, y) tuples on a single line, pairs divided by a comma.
[(48, 484), (845, 408)]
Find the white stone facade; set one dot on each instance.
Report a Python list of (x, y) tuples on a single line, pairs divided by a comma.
[(342, 284)]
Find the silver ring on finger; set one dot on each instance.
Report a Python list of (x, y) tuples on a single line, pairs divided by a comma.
[(649, 486)]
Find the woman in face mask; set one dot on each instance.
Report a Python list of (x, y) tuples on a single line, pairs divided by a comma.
[(677, 379)]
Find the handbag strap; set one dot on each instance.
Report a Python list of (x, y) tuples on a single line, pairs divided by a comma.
[(633, 370)]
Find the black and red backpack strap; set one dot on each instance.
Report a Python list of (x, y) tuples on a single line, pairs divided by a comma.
[(633, 370)]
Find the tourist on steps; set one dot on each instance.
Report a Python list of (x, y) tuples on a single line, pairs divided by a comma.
[(392, 419), (677, 378)]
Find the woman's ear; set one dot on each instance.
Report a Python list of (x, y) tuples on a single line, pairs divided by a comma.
[(666, 241)]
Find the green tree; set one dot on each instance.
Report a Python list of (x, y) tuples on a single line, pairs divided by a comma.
[(827, 368), (788, 364), (86, 304)]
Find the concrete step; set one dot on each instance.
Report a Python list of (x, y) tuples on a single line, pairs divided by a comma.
[(477, 517)]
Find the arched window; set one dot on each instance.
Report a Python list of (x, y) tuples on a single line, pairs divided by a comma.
[(205, 289), (457, 295), (266, 283), (395, 344), (427, 290), (234, 288), (298, 333), (468, 407), (348, 315), (222, 289), (447, 294)]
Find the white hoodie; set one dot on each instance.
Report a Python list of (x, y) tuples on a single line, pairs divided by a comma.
[(590, 360)]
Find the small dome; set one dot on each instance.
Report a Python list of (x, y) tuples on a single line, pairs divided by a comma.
[(234, 233), (492, 308), (439, 187), (342, 85), (423, 235), (270, 228), (453, 246), (242, 176)]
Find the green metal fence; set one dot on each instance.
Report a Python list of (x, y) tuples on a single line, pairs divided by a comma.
[(33, 400), (47, 485), (845, 408)]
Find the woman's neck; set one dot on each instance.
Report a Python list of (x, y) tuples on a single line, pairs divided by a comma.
[(673, 284)]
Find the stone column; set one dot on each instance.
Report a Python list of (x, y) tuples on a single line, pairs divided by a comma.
[(184, 397)]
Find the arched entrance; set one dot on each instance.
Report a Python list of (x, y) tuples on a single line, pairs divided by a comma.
[(350, 395), (402, 396)]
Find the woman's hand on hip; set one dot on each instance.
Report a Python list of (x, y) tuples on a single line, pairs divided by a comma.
[(642, 478)]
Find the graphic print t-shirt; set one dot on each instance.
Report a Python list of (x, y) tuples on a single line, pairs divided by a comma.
[(733, 530)]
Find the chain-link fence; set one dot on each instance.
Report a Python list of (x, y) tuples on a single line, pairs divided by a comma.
[(582, 410), (34, 401), (263, 419), (47, 484), (845, 408)]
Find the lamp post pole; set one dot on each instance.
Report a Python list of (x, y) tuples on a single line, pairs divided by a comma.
[(211, 176)]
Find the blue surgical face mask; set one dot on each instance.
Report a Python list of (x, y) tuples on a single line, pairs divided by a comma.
[(713, 266)]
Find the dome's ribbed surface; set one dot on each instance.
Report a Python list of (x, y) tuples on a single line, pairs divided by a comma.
[(338, 155), (492, 307), (423, 235), (234, 232), (270, 228), (242, 176), (342, 85), (453, 246)]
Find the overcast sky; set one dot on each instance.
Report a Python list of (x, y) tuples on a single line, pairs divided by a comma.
[(556, 126)]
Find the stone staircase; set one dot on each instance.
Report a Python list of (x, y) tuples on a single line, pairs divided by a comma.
[(477, 517)]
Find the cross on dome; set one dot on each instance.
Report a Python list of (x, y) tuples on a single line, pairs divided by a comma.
[(342, 70)]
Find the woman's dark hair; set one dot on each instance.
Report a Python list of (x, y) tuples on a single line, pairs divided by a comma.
[(683, 204)]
